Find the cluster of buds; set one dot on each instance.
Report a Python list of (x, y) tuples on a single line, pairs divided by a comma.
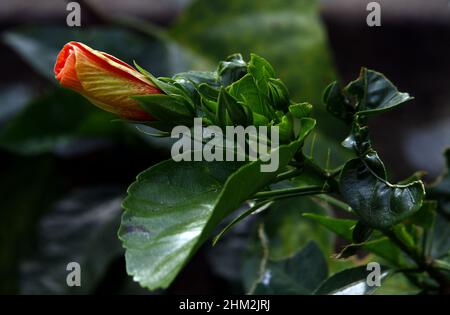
[(237, 93)]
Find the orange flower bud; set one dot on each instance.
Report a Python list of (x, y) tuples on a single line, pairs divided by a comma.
[(104, 80)]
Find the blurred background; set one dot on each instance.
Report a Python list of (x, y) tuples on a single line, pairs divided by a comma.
[(65, 165)]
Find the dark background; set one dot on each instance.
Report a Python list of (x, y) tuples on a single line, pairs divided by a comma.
[(411, 48)]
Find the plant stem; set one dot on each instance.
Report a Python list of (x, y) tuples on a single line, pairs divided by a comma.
[(290, 192), (289, 174), (302, 161), (422, 262), (336, 202), (265, 257)]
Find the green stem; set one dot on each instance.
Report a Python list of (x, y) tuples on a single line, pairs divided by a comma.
[(288, 174), (336, 202), (441, 264), (302, 161), (290, 192), (264, 259), (422, 262)]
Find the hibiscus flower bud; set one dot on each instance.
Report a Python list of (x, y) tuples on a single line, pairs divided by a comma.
[(106, 81)]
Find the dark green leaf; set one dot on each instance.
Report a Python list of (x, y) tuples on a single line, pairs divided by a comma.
[(375, 93), (404, 236), (279, 94), (165, 212), (341, 227), (256, 208), (289, 231), (221, 114), (197, 77), (53, 122), (286, 128), (359, 139), (172, 209), (246, 92), (235, 111), (378, 203), (300, 274), (170, 110), (397, 284), (261, 70), (381, 247), (82, 228), (301, 110), (426, 214), (208, 92), (350, 282), (337, 103), (25, 197), (361, 233), (325, 151), (232, 69)]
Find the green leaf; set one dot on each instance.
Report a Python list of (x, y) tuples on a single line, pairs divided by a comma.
[(256, 208), (350, 282), (170, 110), (261, 70), (301, 110), (232, 69), (342, 227), (404, 236), (384, 248), (286, 128), (279, 94), (197, 78), (165, 212), (235, 111), (378, 203), (300, 274), (289, 231), (426, 215), (381, 247), (208, 92), (397, 284), (361, 233), (286, 33), (82, 227), (25, 197), (57, 120), (337, 103), (246, 92), (168, 88), (375, 93), (325, 151), (358, 140), (441, 238), (173, 208)]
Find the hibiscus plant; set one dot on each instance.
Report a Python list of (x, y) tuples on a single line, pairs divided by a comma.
[(174, 207)]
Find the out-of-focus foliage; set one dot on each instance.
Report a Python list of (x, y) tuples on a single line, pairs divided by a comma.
[(44, 224)]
